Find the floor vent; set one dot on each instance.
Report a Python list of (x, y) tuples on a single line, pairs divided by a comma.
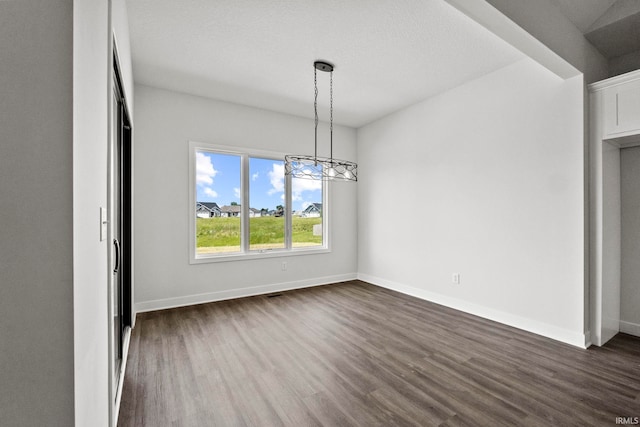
[(274, 295)]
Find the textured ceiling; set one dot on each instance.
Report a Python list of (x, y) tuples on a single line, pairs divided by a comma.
[(583, 13), (612, 26), (388, 54), (618, 38)]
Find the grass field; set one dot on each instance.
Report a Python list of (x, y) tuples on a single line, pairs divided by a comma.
[(223, 234)]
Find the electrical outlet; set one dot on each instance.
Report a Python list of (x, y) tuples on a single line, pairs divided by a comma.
[(455, 278), (284, 266)]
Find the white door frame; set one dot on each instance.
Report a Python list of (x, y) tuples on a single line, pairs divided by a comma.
[(115, 382)]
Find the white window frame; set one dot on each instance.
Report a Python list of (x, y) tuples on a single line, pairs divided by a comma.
[(246, 253)]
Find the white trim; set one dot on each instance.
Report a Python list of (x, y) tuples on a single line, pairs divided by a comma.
[(605, 142), (161, 304), (627, 139), (529, 325), (245, 206), (110, 233), (587, 339), (614, 81), (630, 328), (123, 369), (245, 254), (115, 395), (268, 253)]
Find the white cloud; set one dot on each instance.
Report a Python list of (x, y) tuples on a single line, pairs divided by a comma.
[(305, 205), (298, 186), (236, 192), (276, 177), (255, 176), (204, 169), (210, 192)]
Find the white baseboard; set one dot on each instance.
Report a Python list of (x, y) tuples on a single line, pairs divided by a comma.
[(587, 339), (529, 325), (630, 328), (161, 304)]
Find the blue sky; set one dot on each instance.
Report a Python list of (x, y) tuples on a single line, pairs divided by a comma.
[(218, 180)]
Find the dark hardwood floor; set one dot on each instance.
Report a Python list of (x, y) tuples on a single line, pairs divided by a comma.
[(354, 354)]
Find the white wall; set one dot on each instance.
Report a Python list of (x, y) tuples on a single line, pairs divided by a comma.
[(485, 180), (90, 183), (91, 29), (624, 64), (165, 123), (36, 256), (53, 127), (630, 280), (544, 20)]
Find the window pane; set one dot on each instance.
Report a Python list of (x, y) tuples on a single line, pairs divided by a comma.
[(266, 204), (218, 198), (306, 223)]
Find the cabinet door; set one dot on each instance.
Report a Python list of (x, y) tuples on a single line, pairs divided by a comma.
[(622, 109)]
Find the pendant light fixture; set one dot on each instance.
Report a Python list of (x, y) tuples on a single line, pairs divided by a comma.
[(321, 168)]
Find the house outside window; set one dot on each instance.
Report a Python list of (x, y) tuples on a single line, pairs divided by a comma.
[(243, 206)]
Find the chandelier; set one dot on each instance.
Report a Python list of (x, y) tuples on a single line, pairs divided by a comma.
[(321, 168)]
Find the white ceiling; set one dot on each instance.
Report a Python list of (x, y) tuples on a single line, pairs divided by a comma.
[(388, 54), (612, 26), (583, 13)]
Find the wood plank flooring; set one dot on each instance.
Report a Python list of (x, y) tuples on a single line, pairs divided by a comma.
[(354, 354)]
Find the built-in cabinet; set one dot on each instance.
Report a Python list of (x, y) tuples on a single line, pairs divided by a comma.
[(614, 124), (622, 107)]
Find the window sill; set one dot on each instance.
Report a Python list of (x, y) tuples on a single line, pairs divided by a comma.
[(204, 259)]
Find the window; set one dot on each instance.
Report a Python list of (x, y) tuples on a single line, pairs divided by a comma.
[(242, 205), (267, 203), (218, 234)]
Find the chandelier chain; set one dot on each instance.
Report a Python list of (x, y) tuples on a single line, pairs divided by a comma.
[(315, 109), (331, 110)]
